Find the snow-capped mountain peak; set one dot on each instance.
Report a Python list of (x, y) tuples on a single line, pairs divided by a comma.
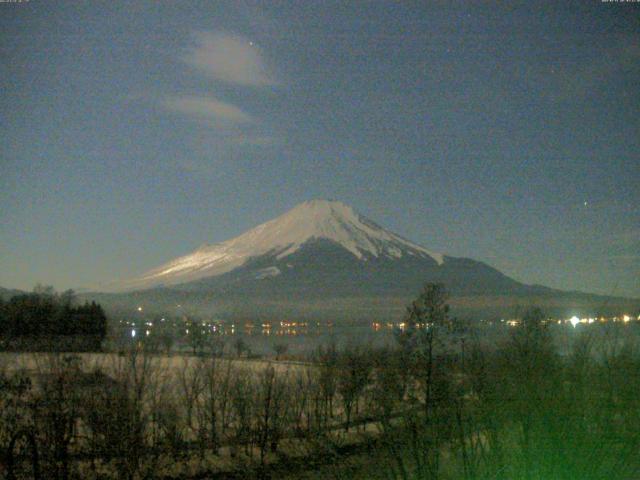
[(282, 236)]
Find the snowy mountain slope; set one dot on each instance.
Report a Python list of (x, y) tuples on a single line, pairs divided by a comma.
[(322, 260), (282, 237), (322, 268)]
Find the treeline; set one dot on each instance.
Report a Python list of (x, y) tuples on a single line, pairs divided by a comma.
[(47, 320), (440, 404)]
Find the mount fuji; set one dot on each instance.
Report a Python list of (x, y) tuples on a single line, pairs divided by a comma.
[(302, 227), (323, 258)]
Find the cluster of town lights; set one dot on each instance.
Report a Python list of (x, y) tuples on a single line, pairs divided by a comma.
[(293, 327), (574, 321)]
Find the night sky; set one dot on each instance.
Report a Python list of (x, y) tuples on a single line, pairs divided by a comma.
[(133, 132)]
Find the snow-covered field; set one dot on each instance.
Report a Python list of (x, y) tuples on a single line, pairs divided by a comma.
[(167, 364)]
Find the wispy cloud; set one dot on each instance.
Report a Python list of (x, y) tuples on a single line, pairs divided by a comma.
[(208, 109), (225, 127), (230, 58)]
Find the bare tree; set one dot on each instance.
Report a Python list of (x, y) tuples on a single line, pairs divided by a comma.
[(280, 349), (354, 370), (213, 407), (390, 384), (17, 432), (138, 382), (300, 398), (56, 411), (241, 394), (327, 359), (269, 411), (191, 381), (240, 347)]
